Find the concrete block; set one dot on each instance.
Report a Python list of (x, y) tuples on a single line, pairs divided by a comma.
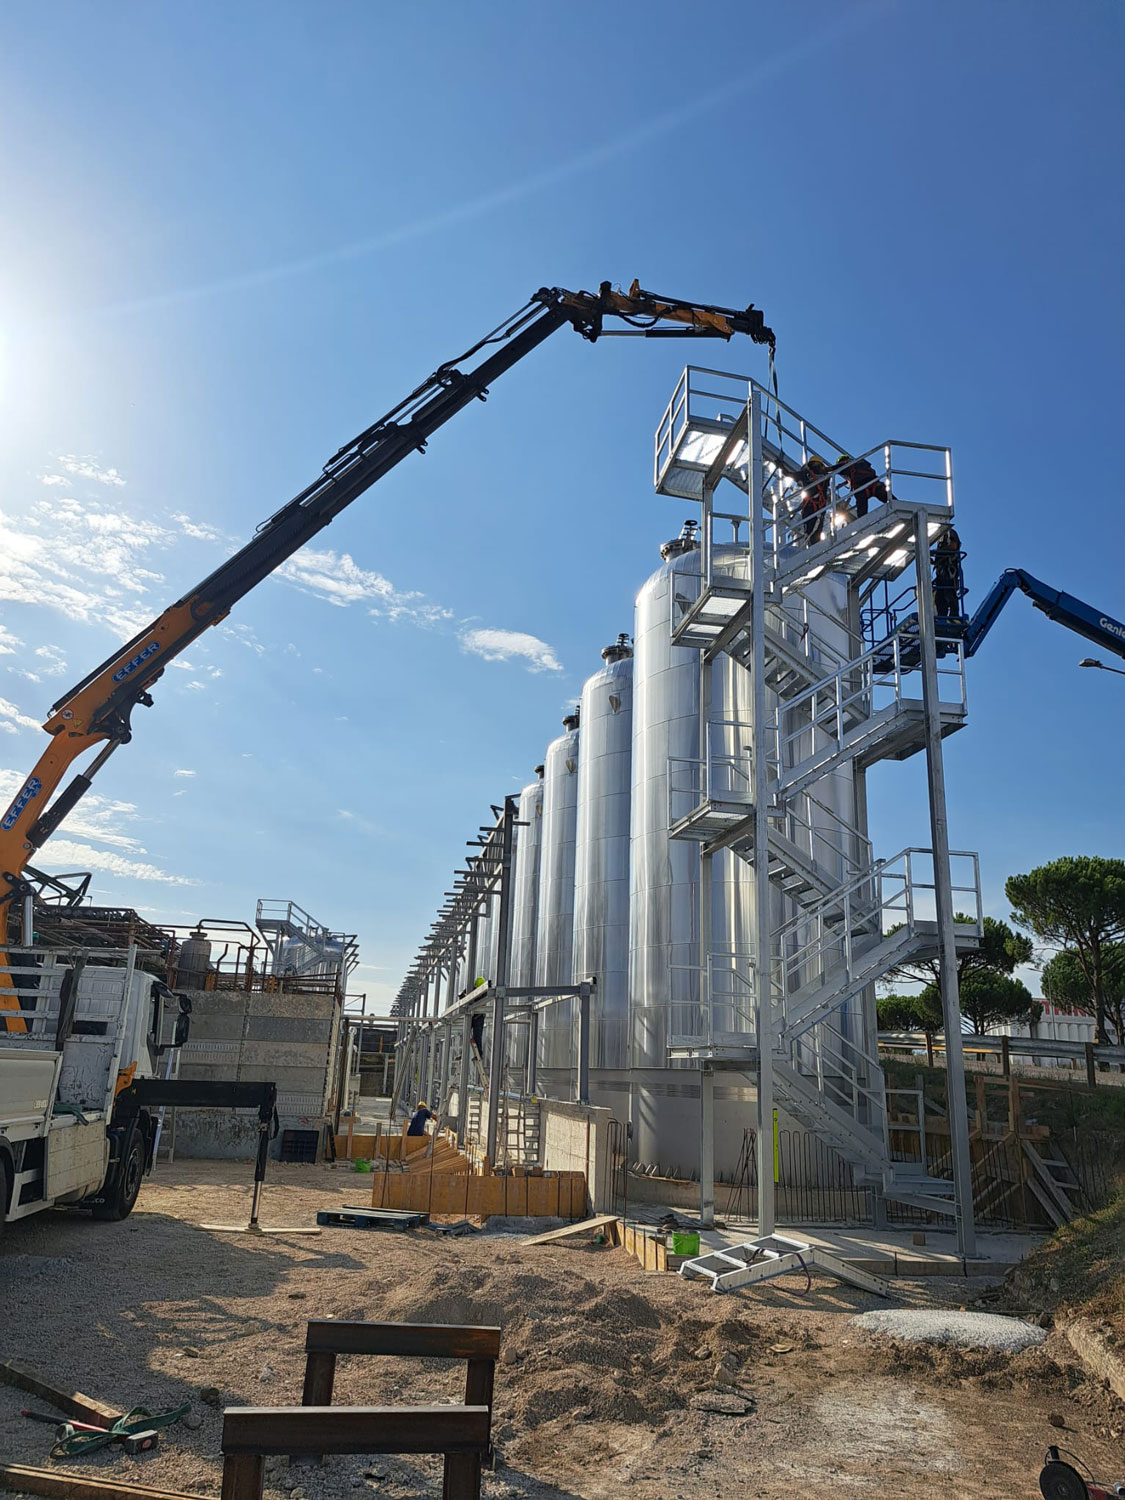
[(290, 1029), (284, 1055), (297, 1006)]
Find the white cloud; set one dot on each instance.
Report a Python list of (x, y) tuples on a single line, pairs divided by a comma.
[(244, 635), (96, 817), (9, 643), (53, 479), (336, 578), (508, 645), (52, 658), (86, 468), (193, 687), (12, 719), (66, 853), (84, 561), (183, 773), (196, 529)]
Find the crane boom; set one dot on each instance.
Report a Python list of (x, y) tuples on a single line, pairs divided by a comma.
[(1082, 618), (98, 710)]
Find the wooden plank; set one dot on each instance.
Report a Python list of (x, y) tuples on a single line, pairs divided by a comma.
[(65, 1484), (598, 1222), (308, 1430), (421, 1340), (73, 1403)]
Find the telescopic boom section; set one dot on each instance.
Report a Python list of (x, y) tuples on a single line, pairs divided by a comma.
[(98, 711)]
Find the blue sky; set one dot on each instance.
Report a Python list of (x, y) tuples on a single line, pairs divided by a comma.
[(232, 235)]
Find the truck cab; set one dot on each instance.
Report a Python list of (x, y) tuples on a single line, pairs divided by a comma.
[(89, 1023)]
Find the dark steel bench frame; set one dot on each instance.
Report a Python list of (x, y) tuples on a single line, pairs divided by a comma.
[(460, 1433)]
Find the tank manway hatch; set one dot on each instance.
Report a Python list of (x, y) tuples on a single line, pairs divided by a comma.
[(621, 649)]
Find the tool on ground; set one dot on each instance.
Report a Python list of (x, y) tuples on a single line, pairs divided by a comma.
[(135, 1431), (1062, 1481)]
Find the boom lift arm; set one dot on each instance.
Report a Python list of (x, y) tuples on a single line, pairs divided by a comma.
[(98, 710), (1100, 628)]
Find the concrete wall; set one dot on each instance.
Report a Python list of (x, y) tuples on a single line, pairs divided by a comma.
[(288, 1039), (575, 1138)]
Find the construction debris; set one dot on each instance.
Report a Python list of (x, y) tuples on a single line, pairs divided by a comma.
[(969, 1330), (600, 1221), (73, 1403), (58, 1484), (370, 1218)]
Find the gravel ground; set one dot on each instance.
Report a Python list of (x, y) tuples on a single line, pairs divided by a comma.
[(967, 1330), (611, 1379)]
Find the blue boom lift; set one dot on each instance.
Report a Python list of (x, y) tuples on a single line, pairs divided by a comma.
[(1095, 625)]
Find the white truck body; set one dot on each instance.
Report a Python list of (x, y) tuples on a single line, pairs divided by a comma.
[(56, 1103)]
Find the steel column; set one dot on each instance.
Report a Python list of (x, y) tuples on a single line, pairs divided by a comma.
[(943, 884), (706, 910), (582, 1074), (762, 903), (463, 1079), (707, 1147), (503, 961)]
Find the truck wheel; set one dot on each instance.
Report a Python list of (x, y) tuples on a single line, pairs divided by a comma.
[(122, 1196)]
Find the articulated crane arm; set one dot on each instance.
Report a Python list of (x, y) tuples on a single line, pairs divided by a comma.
[(98, 711), (1064, 608)]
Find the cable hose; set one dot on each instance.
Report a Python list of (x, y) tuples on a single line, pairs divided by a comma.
[(138, 1419)]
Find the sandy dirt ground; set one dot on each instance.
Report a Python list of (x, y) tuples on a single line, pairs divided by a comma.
[(603, 1371)]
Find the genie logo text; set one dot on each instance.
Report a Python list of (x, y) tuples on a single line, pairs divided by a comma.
[(29, 793), (141, 657), (1113, 627)]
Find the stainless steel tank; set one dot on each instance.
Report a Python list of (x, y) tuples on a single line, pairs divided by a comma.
[(665, 948), (525, 914), (194, 960), (601, 867), (525, 903), (554, 944)]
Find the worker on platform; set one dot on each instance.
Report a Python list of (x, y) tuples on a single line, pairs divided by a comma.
[(866, 486), (815, 485), (419, 1118), (948, 581)]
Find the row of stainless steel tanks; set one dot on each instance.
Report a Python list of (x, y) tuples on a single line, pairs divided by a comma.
[(601, 889)]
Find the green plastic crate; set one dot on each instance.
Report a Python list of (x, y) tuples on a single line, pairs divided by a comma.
[(684, 1243)]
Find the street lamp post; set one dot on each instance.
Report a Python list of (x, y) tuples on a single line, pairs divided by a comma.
[(1092, 661)]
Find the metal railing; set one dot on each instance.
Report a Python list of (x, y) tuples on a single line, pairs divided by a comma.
[(846, 1075), (830, 944), (38, 976), (842, 702), (706, 408)]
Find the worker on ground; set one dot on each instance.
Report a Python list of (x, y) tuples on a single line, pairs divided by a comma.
[(948, 585), (476, 1033), (418, 1119), (866, 486), (813, 479)]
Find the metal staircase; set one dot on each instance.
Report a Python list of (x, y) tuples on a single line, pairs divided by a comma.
[(839, 701)]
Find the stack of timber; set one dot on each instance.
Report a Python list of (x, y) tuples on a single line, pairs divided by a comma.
[(464, 1195)]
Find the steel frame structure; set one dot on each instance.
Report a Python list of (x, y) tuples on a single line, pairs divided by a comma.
[(424, 1032), (720, 427)]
